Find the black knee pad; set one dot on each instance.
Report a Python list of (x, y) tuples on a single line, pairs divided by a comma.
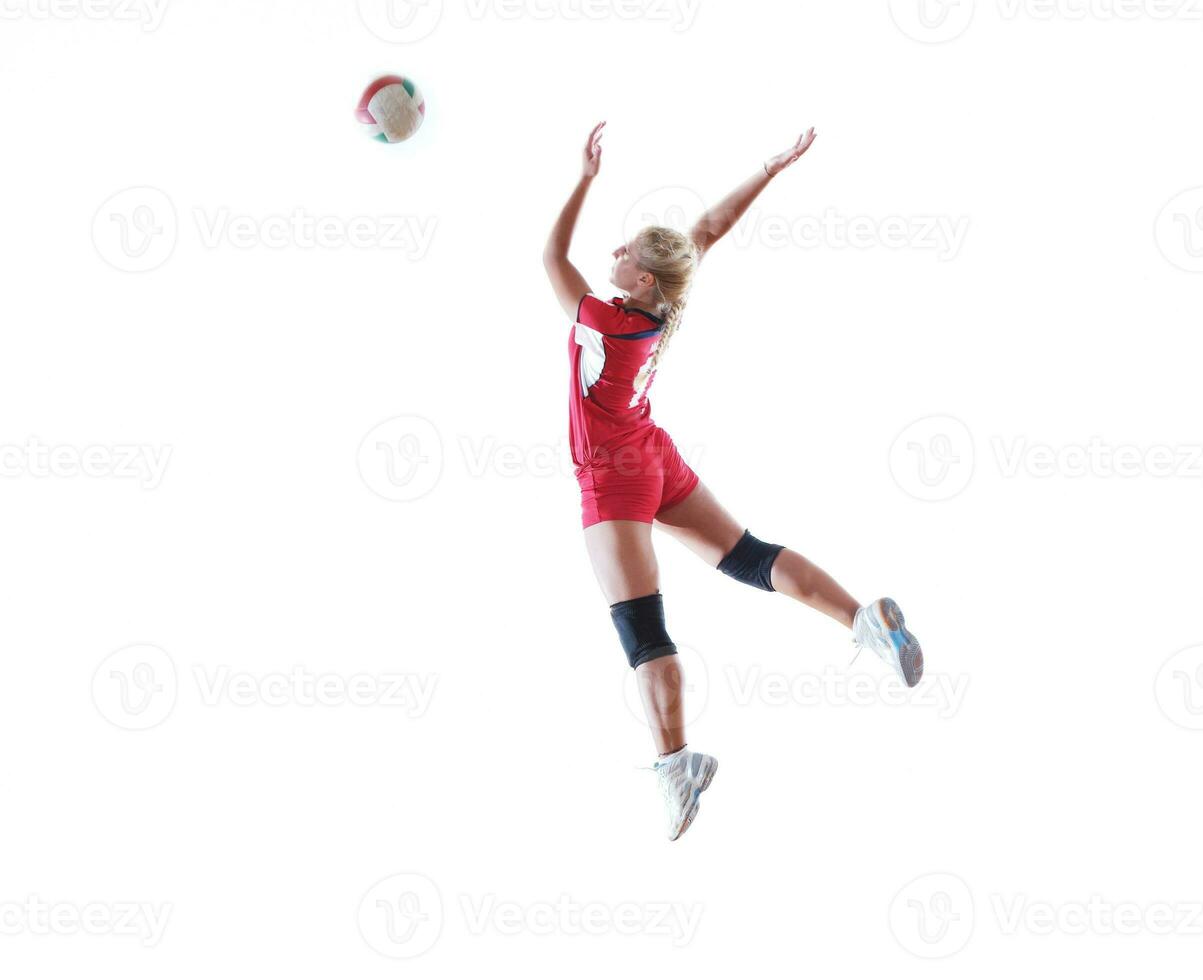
[(640, 625), (751, 562)]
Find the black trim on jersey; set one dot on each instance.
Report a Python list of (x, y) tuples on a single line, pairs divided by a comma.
[(643, 335), (650, 316)]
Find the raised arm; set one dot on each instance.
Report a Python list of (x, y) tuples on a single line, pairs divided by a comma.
[(566, 280), (721, 218)]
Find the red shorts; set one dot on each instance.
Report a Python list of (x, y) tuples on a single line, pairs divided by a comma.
[(634, 482)]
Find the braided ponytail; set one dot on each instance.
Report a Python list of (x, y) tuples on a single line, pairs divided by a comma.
[(672, 319), (672, 258)]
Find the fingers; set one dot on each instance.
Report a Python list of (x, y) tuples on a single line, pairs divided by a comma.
[(802, 145), (593, 146), (595, 136), (796, 151)]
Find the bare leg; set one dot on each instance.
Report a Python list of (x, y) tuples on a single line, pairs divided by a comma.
[(701, 524), (625, 565), (662, 690), (795, 576)]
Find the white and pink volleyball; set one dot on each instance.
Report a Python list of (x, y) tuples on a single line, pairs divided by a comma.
[(393, 107)]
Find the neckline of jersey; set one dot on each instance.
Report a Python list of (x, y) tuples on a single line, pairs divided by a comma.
[(651, 316)]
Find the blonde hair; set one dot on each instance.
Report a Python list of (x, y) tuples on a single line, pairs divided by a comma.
[(672, 258)]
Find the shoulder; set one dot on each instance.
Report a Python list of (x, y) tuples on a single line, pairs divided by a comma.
[(612, 316), (592, 310)]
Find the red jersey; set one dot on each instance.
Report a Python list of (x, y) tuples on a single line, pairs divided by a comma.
[(607, 348)]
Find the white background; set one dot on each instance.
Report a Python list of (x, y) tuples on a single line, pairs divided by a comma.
[(1041, 533)]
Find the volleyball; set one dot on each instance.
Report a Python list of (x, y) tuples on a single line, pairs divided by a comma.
[(393, 107)]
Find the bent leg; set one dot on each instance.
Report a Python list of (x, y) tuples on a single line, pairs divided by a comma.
[(801, 579), (625, 565), (702, 524), (623, 559)]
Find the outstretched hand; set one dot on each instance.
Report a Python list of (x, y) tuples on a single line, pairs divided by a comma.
[(593, 150), (774, 165)]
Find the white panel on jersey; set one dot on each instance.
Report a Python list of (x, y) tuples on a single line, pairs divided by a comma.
[(593, 355)]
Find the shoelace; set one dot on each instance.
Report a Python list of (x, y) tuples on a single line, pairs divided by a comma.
[(856, 643), (653, 768)]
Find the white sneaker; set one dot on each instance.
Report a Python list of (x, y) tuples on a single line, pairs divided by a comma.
[(880, 627), (684, 776)]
